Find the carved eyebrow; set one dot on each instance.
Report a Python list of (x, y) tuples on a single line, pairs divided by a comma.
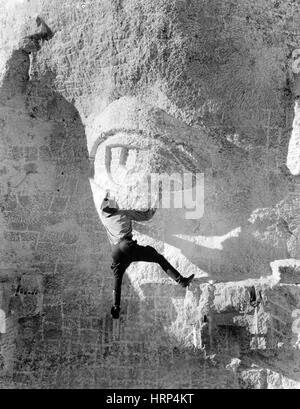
[(125, 146)]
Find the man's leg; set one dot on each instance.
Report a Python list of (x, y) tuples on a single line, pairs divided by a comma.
[(119, 270), (149, 254), (119, 265)]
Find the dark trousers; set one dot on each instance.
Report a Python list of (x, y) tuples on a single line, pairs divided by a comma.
[(127, 251)]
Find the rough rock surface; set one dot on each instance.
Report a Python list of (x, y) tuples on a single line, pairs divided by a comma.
[(286, 271), (293, 159), (204, 86)]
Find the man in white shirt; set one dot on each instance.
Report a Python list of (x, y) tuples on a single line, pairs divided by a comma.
[(125, 250)]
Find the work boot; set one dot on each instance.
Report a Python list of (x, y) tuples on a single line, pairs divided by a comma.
[(185, 281), (115, 311)]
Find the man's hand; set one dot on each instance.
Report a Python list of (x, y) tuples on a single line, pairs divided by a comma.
[(151, 212)]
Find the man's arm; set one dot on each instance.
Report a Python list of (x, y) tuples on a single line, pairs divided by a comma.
[(139, 215)]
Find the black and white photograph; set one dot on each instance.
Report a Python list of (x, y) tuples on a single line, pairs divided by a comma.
[(149, 197)]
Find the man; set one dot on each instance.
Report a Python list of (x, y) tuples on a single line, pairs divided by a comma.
[(125, 250)]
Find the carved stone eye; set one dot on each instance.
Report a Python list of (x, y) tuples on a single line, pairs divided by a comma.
[(122, 160)]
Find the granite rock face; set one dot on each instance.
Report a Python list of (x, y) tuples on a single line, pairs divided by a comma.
[(250, 327), (286, 271), (160, 87), (293, 159)]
